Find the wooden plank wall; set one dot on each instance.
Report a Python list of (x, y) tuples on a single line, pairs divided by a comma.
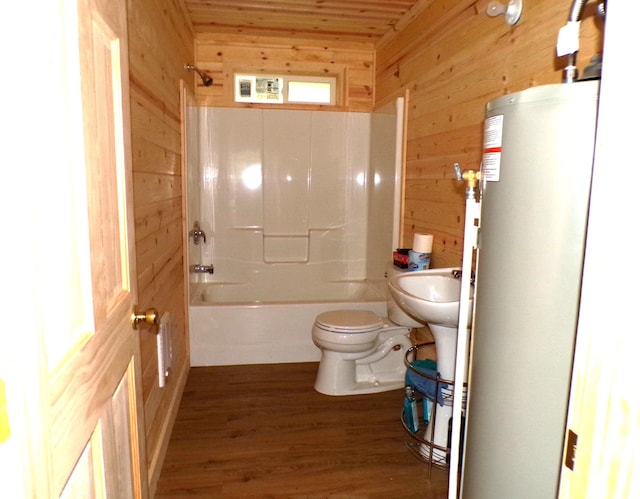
[(220, 55), (160, 44), (452, 59)]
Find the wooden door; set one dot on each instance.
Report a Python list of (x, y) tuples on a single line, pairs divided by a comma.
[(73, 398)]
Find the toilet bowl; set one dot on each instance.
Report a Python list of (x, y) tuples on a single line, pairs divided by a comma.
[(361, 352)]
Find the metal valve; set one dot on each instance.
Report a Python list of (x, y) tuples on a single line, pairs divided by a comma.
[(470, 176)]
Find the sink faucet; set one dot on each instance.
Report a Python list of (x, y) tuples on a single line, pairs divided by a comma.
[(202, 269), (457, 274), (197, 233)]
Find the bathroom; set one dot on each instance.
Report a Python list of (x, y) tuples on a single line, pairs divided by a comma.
[(447, 60), (450, 61)]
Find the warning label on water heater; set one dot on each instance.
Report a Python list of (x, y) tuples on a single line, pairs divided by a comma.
[(492, 152)]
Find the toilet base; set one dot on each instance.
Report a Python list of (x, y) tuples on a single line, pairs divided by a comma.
[(361, 388), (380, 370), (337, 376)]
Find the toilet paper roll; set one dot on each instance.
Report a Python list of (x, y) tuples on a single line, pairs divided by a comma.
[(422, 243)]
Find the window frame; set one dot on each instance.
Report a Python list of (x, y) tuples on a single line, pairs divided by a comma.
[(282, 94)]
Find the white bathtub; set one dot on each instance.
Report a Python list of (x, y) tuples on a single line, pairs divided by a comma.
[(241, 323)]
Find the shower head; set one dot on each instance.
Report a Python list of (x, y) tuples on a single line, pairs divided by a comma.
[(206, 79)]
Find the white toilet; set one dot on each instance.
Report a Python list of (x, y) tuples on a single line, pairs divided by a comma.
[(361, 352)]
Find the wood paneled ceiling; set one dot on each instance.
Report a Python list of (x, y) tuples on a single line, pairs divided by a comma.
[(355, 20)]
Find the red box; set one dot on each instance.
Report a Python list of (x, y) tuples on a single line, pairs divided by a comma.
[(401, 258)]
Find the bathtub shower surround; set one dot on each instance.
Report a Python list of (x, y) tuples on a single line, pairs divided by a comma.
[(286, 199), (284, 187)]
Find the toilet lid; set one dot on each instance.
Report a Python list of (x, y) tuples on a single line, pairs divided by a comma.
[(349, 321)]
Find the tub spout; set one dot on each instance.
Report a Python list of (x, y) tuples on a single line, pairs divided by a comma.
[(202, 269)]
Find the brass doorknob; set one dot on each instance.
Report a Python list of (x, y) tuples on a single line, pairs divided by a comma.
[(146, 320)]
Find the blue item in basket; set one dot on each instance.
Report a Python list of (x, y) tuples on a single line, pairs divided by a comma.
[(425, 385)]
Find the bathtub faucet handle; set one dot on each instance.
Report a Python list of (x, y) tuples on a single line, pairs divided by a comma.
[(197, 233)]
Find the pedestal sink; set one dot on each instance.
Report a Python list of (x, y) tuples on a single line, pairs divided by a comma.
[(433, 296)]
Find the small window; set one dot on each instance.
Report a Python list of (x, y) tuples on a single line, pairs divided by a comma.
[(285, 89), (311, 91)]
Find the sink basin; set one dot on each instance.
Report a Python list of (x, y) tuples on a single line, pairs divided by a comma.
[(431, 296)]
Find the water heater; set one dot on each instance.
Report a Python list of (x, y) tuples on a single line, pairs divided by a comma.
[(536, 178)]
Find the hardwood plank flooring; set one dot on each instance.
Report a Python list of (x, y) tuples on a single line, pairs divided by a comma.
[(263, 431)]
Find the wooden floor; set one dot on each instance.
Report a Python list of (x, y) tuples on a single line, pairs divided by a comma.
[(263, 431)]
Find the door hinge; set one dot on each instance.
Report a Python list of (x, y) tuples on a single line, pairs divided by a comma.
[(572, 446)]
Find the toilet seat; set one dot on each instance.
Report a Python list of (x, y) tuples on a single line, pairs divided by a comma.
[(349, 321)]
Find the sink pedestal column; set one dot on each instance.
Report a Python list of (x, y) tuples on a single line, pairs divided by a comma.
[(446, 344)]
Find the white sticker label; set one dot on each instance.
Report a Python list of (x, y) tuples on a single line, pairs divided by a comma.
[(492, 152)]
